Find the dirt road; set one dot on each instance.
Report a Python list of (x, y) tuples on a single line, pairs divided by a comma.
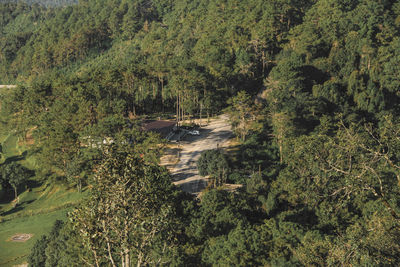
[(185, 173)]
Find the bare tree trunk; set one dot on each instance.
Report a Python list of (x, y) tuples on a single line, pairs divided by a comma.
[(177, 110), (16, 195), (127, 258), (140, 259), (162, 94), (201, 110), (140, 95), (109, 253), (182, 114), (108, 245), (95, 257), (263, 62), (154, 98)]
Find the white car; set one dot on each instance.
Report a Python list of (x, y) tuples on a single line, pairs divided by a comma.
[(194, 132)]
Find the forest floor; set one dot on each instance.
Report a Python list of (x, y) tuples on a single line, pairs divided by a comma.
[(217, 134)]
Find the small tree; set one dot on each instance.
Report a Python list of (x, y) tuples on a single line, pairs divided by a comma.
[(16, 175), (243, 114), (80, 167), (215, 164)]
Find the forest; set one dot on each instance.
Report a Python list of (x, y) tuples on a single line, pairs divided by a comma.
[(312, 91)]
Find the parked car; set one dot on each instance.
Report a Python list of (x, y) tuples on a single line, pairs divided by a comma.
[(194, 132)]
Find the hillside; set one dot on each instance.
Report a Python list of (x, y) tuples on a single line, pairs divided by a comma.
[(310, 89)]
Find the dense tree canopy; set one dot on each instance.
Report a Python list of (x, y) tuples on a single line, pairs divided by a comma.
[(311, 88)]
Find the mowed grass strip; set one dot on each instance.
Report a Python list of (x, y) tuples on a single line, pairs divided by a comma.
[(10, 147), (41, 200)]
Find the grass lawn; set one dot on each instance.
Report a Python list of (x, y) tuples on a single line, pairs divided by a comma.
[(12, 253), (36, 214), (10, 146)]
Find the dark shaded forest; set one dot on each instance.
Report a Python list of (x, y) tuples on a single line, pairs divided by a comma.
[(311, 88)]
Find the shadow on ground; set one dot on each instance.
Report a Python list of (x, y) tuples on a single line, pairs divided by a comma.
[(16, 158)]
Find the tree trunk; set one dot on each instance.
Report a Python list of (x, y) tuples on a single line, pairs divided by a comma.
[(95, 257), (177, 110), (79, 186), (127, 258), (109, 254), (140, 259), (16, 195), (162, 94), (182, 114), (201, 110), (154, 96)]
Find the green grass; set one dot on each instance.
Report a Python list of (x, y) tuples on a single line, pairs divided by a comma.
[(38, 208), (3, 133), (36, 214), (10, 146), (41, 200), (12, 253)]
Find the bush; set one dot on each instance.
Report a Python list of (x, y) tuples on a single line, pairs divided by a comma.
[(38, 255), (215, 164)]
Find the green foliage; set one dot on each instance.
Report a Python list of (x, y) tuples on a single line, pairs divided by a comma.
[(215, 164), (221, 226), (36, 223), (38, 256), (243, 114), (57, 248), (132, 210), (243, 246), (311, 89), (15, 175), (48, 3)]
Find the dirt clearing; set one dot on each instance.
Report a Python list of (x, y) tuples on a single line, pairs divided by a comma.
[(185, 174)]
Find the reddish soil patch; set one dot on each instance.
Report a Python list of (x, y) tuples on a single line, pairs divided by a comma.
[(29, 138)]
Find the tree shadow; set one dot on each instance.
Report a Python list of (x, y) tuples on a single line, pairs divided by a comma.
[(7, 196), (32, 183), (16, 158), (13, 210), (18, 207), (303, 216)]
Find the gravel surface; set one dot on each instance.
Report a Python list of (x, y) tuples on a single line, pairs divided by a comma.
[(185, 173)]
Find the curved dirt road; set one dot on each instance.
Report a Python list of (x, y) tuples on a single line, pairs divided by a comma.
[(185, 173)]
